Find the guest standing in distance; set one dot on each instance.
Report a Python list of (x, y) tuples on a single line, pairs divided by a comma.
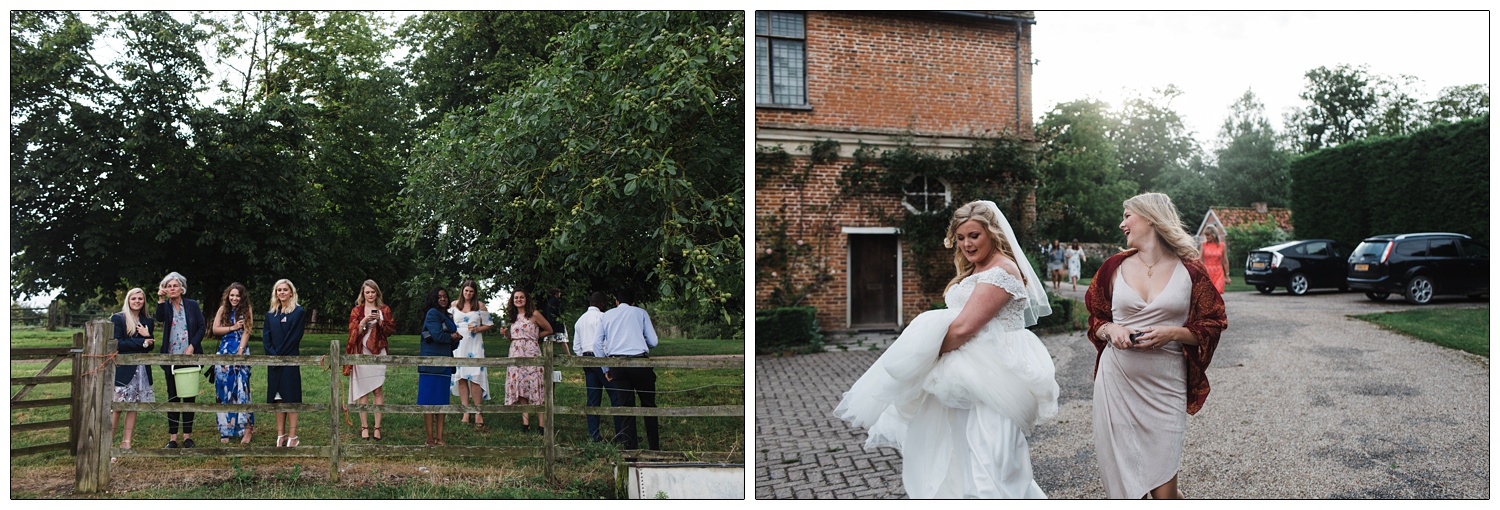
[(585, 338), (133, 330), (523, 385), (626, 332), (553, 311), (1155, 319), (439, 339), (1075, 258), (1055, 260), (1216, 258), (471, 383), (285, 323), (370, 327), (233, 324), (182, 319)]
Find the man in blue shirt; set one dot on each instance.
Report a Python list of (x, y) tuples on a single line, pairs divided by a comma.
[(626, 332)]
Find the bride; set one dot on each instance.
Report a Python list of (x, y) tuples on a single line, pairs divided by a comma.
[(958, 391)]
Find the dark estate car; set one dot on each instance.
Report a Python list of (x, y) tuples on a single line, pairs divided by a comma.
[(1420, 266), (1298, 266)]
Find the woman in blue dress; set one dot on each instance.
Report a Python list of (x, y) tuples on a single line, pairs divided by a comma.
[(285, 322), (439, 338), (233, 324)]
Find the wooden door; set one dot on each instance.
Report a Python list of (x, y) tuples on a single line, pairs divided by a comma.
[(873, 290)]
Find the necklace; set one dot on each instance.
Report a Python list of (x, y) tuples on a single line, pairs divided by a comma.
[(1149, 266)]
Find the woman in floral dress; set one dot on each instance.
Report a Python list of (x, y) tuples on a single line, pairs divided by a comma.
[(523, 385), (233, 323), (470, 383)]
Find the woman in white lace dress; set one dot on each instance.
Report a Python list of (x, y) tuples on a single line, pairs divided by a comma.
[(961, 387)]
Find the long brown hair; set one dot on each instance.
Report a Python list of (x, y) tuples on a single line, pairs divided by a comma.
[(510, 307), (977, 211), (242, 311), (463, 304)]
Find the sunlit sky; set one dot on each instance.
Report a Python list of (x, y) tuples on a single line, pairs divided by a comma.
[(1213, 57)]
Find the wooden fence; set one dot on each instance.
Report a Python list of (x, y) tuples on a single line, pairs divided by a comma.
[(56, 355), (95, 447)]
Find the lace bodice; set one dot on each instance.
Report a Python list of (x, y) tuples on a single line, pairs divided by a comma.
[(1010, 317)]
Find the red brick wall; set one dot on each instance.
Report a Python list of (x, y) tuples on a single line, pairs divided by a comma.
[(926, 73)]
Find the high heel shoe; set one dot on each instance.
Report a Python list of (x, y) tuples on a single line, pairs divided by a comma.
[(376, 435), (280, 440), (292, 442), (364, 433)]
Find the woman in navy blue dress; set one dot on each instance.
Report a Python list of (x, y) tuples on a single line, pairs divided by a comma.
[(439, 338), (182, 320), (285, 322), (132, 382)]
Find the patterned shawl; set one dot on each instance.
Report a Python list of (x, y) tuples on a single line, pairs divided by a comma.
[(1206, 319)]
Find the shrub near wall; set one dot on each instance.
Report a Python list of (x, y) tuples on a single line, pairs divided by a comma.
[(1434, 180), (791, 328)]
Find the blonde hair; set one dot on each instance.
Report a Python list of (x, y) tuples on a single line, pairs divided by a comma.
[(130, 317), (359, 300), (1214, 232), (980, 212), (291, 303), (1157, 208)]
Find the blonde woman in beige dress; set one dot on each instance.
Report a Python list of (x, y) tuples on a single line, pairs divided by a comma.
[(1155, 319)]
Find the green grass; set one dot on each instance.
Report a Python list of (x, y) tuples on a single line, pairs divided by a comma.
[(1465, 329), (583, 476)]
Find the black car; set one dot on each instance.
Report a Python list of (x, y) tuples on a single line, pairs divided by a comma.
[(1420, 266), (1298, 266)]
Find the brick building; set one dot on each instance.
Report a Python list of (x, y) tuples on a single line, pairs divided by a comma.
[(938, 80)]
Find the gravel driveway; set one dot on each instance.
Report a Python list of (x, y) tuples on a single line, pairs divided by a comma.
[(1306, 403)]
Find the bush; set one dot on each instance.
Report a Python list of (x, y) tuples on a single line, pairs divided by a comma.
[(1062, 313), (794, 328), (1242, 239)]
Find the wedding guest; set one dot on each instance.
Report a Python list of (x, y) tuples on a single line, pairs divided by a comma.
[(182, 319), (285, 323), (1155, 319), (471, 383), (439, 339), (370, 328), (626, 331), (524, 385), (586, 337), (232, 324), (133, 330), (1216, 258)]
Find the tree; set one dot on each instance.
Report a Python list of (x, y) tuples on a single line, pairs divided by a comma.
[(1458, 103), (618, 162), (1341, 105), (1251, 168), (1397, 112), (1152, 138), (1082, 185)]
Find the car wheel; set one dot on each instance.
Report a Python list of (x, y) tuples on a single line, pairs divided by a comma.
[(1298, 284), (1377, 296), (1419, 290), (1265, 289)]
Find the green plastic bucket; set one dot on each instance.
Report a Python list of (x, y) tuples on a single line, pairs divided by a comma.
[(187, 380)]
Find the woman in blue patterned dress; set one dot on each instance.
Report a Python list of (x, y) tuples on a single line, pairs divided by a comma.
[(233, 324)]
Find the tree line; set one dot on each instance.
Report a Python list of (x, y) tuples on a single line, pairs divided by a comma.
[(581, 150), (1094, 155)]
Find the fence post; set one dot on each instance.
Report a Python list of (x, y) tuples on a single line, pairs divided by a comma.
[(548, 401), (76, 418), (336, 369), (92, 473)]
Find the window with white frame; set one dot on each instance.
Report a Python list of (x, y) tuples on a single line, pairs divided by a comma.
[(926, 195), (780, 58)]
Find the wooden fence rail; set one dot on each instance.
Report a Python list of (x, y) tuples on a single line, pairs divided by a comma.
[(55, 355), (96, 447)]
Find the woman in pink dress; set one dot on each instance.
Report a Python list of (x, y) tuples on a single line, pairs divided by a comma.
[(523, 385), (1215, 259)]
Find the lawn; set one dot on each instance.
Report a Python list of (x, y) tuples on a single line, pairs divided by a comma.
[(584, 474), (1465, 329)]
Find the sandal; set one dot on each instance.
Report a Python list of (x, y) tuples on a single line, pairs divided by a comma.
[(376, 436), (280, 440), (465, 419), (224, 440), (248, 430), (292, 442), (364, 432), (125, 444)]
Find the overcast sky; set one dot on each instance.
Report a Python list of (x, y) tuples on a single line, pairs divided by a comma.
[(1213, 57)]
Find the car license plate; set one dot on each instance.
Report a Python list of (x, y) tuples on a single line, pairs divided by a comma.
[(1257, 265), (1361, 267)]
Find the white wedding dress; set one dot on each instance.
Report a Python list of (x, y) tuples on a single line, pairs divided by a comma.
[(960, 419)]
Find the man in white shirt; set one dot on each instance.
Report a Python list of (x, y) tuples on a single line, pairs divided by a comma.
[(586, 335), (626, 332)]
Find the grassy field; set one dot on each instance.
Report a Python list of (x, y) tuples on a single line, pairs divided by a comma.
[(1465, 329), (585, 474)]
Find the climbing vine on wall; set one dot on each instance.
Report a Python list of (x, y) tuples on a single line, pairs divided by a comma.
[(786, 242)]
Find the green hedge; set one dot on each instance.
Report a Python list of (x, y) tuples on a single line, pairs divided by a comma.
[(792, 328), (1062, 313), (1434, 180)]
